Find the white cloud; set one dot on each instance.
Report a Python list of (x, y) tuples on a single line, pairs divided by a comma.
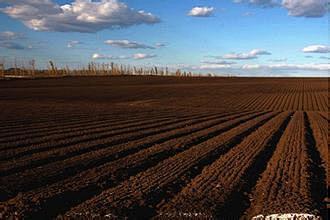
[(12, 45), (286, 66), (73, 43), (250, 66), (298, 8), (128, 44), (306, 8), (259, 52), (239, 56), (98, 56), (137, 56), (140, 56), (316, 49), (214, 66), (9, 35), (159, 45), (78, 16), (223, 62), (253, 54), (318, 66), (247, 14), (201, 11), (262, 3), (280, 69), (278, 60)]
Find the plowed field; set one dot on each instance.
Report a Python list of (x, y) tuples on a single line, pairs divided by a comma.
[(163, 147)]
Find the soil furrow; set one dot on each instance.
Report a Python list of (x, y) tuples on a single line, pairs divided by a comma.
[(222, 188), (150, 187), (56, 171), (70, 148), (93, 181)]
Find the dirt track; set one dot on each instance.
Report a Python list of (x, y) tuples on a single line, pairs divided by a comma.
[(163, 147)]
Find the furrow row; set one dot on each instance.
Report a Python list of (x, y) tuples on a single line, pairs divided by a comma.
[(139, 195)]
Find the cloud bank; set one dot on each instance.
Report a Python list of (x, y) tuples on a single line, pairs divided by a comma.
[(253, 54), (12, 45), (219, 62), (137, 56), (297, 8), (9, 35), (316, 49), (286, 66), (7, 38), (78, 16), (262, 3), (141, 56), (128, 44), (306, 8), (98, 56)]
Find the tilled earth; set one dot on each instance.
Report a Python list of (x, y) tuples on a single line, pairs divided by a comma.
[(163, 147)]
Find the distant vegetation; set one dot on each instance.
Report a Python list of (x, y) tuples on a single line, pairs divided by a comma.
[(92, 69)]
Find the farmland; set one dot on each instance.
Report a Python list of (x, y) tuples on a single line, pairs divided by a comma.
[(163, 147)]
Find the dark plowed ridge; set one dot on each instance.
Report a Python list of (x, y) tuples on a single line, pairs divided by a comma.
[(163, 147), (61, 169), (73, 130), (217, 193), (318, 178), (158, 182), (292, 175), (93, 180)]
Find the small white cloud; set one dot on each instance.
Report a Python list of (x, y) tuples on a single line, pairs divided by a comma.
[(128, 44), (261, 3), (137, 56), (312, 66), (278, 60), (253, 54), (12, 45), (159, 45), (306, 8), (223, 62), (9, 35), (201, 11), (97, 56), (214, 66), (316, 49), (259, 52), (250, 66), (298, 8), (239, 56), (73, 43), (77, 16), (140, 56), (247, 14), (286, 66)]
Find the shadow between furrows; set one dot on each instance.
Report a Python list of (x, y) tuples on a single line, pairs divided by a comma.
[(93, 147), (73, 170), (239, 200), (161, 196), (317, 171), (63, 202)]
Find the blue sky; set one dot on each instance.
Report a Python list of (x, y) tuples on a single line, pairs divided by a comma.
[(241, 37)]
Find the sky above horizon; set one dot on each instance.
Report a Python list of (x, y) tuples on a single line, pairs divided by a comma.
[(236, 37)]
